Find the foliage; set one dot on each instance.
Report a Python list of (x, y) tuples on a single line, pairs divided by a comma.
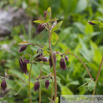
[(75, 34)]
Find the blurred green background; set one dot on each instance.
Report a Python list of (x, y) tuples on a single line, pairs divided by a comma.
[(83, 39)]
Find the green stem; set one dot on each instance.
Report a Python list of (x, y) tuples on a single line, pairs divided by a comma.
[(52, 91), (16, 76), (83, 65), (35, 45), (39, 96), (97, 78), (29, 84), (54, 69), (40, 89)]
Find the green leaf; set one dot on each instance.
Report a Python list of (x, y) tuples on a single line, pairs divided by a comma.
[(67, 51), (45, 47), (97, 56), (91, 85), (31, 85), (54, 38), (57, 26), (51, 20), (81, 5), (50, 100), (32, 58), (68, 6), (85, 52), (66, 91), (98, 23), (83, 85), (79, 26), (56, 100), (40, 21), (58, 79), (48, 15), (87, 79), (88, 28), (23, 43), (21, 88), (72, 83)]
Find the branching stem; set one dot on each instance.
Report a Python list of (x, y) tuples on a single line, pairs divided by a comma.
[(54, 69), (29, 84)]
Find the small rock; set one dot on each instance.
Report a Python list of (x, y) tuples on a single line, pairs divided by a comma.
[(11, 18)]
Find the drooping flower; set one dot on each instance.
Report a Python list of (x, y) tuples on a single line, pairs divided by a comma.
[(62, 64), (3, 85), (47, 84), (22, 48), (90, 22), (36, 86), (23, 65), (50, 59), (40, 28), (44, 59), (43, 77), (51, 77), (66, 58), (39, 55)]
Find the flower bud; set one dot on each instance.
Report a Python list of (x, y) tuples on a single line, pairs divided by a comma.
[(43, 77), (47, 84), (51, 77), (23, 65), (91, 23), (66, 58), (36, 86), (50, 59), (3, 85), (22, 48), (44, 59), (39, 55), (62, 64), (40, 28), (45, 14)]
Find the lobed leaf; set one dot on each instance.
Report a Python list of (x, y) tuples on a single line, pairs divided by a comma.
[(91, 85), (57, 26), (54, 38)]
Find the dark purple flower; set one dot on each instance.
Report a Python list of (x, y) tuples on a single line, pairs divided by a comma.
[(62, 64), (40, 28), (26, 61), (90, 22), (50, 59), (3, 85), (45, 14), (43, 77), (39, 55), (66, 58), (47, 84), (51, 77), (36, 86), (23, 64), (44, 59), (22, 48)]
